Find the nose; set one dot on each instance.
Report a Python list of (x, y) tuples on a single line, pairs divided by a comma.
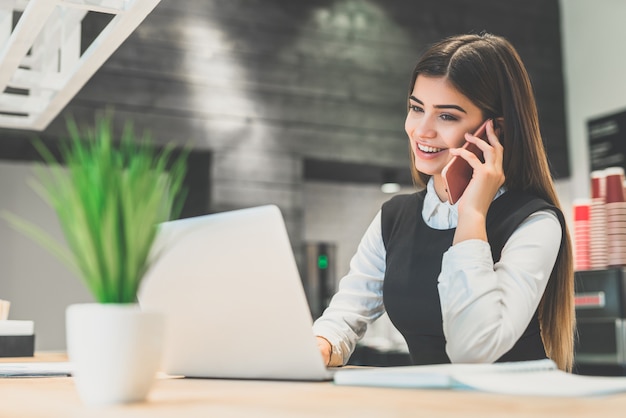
[(420, 128)]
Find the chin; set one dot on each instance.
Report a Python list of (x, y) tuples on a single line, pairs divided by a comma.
[(428, 168)]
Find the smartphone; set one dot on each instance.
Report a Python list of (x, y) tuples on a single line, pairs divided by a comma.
[(458, 173)]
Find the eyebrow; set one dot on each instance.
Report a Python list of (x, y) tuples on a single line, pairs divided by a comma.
[(443, 106)]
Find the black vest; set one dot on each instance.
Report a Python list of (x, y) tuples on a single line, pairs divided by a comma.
[(413, 263)]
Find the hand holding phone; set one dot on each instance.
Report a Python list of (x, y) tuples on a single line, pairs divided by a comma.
[(458, 173)]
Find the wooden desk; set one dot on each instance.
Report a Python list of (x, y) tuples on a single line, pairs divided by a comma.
[(57, 397)]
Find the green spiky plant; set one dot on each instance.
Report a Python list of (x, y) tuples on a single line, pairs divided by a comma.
[(109, 198)]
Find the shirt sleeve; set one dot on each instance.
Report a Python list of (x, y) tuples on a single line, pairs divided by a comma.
[(485, 306), (358, 301)]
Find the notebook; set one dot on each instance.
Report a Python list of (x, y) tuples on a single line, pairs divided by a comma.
[(233, 299), (524, 378)]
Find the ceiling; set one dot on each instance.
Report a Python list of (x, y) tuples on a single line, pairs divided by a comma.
[(42, 62)]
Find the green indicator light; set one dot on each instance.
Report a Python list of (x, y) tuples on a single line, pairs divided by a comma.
[(322, 261)]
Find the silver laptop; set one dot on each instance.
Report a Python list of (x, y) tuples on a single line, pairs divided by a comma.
[(233, 299)]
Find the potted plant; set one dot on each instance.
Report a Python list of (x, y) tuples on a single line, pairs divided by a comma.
[(109, 197)]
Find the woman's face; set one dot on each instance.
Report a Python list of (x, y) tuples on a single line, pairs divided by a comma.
[(438, 118)]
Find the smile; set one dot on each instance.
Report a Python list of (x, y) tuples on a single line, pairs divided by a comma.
[(428, 149)]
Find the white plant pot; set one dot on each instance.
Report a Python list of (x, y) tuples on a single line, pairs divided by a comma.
[(115, 351)]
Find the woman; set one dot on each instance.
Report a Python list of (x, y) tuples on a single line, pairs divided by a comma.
[(489, 278)]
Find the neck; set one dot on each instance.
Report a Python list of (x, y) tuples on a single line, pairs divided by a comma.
[(440, 187)]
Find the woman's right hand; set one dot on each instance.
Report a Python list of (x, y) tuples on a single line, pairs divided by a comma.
[(325, 348), (487, 178)]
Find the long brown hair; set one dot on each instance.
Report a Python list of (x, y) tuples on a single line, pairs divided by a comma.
[(488, 70)]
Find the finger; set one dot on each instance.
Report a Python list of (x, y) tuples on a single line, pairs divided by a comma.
[(491, 147), (492, 135), (494, 140), (483, 145), (468, 156)]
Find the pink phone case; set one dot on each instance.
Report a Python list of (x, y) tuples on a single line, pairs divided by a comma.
[(458, 173)]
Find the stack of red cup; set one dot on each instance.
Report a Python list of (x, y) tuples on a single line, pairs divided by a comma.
[(615, 216), (582, 257), (598, 254)]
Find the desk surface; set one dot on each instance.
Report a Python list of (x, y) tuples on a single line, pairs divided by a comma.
[(57, 397)]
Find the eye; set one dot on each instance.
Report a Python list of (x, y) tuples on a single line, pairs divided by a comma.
[(448, 117), (415, 108)]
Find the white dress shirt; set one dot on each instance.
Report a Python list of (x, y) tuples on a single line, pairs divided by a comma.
[(485, 306)]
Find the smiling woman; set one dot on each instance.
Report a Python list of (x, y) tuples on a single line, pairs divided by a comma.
[(439, 116), (489, 278)]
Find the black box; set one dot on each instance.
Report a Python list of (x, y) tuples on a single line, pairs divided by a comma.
[(601, 321), (17, 345)]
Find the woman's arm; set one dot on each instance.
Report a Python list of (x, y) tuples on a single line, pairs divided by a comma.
[(487, 307), (358, 301)]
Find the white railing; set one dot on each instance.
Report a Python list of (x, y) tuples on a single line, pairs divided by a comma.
[(40, 58)]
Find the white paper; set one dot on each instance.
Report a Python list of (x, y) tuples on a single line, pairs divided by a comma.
[(530, 378), (15, 327), (543, 383), (35, 369)]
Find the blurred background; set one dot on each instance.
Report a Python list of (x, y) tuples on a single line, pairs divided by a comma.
[(302, 104)]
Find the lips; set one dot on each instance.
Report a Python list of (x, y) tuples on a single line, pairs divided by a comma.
[(429, 150)]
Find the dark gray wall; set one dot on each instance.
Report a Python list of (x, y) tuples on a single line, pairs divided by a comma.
[(265, 85)]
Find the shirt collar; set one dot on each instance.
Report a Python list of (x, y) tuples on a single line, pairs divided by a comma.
[(442, 215), (438, 214)]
